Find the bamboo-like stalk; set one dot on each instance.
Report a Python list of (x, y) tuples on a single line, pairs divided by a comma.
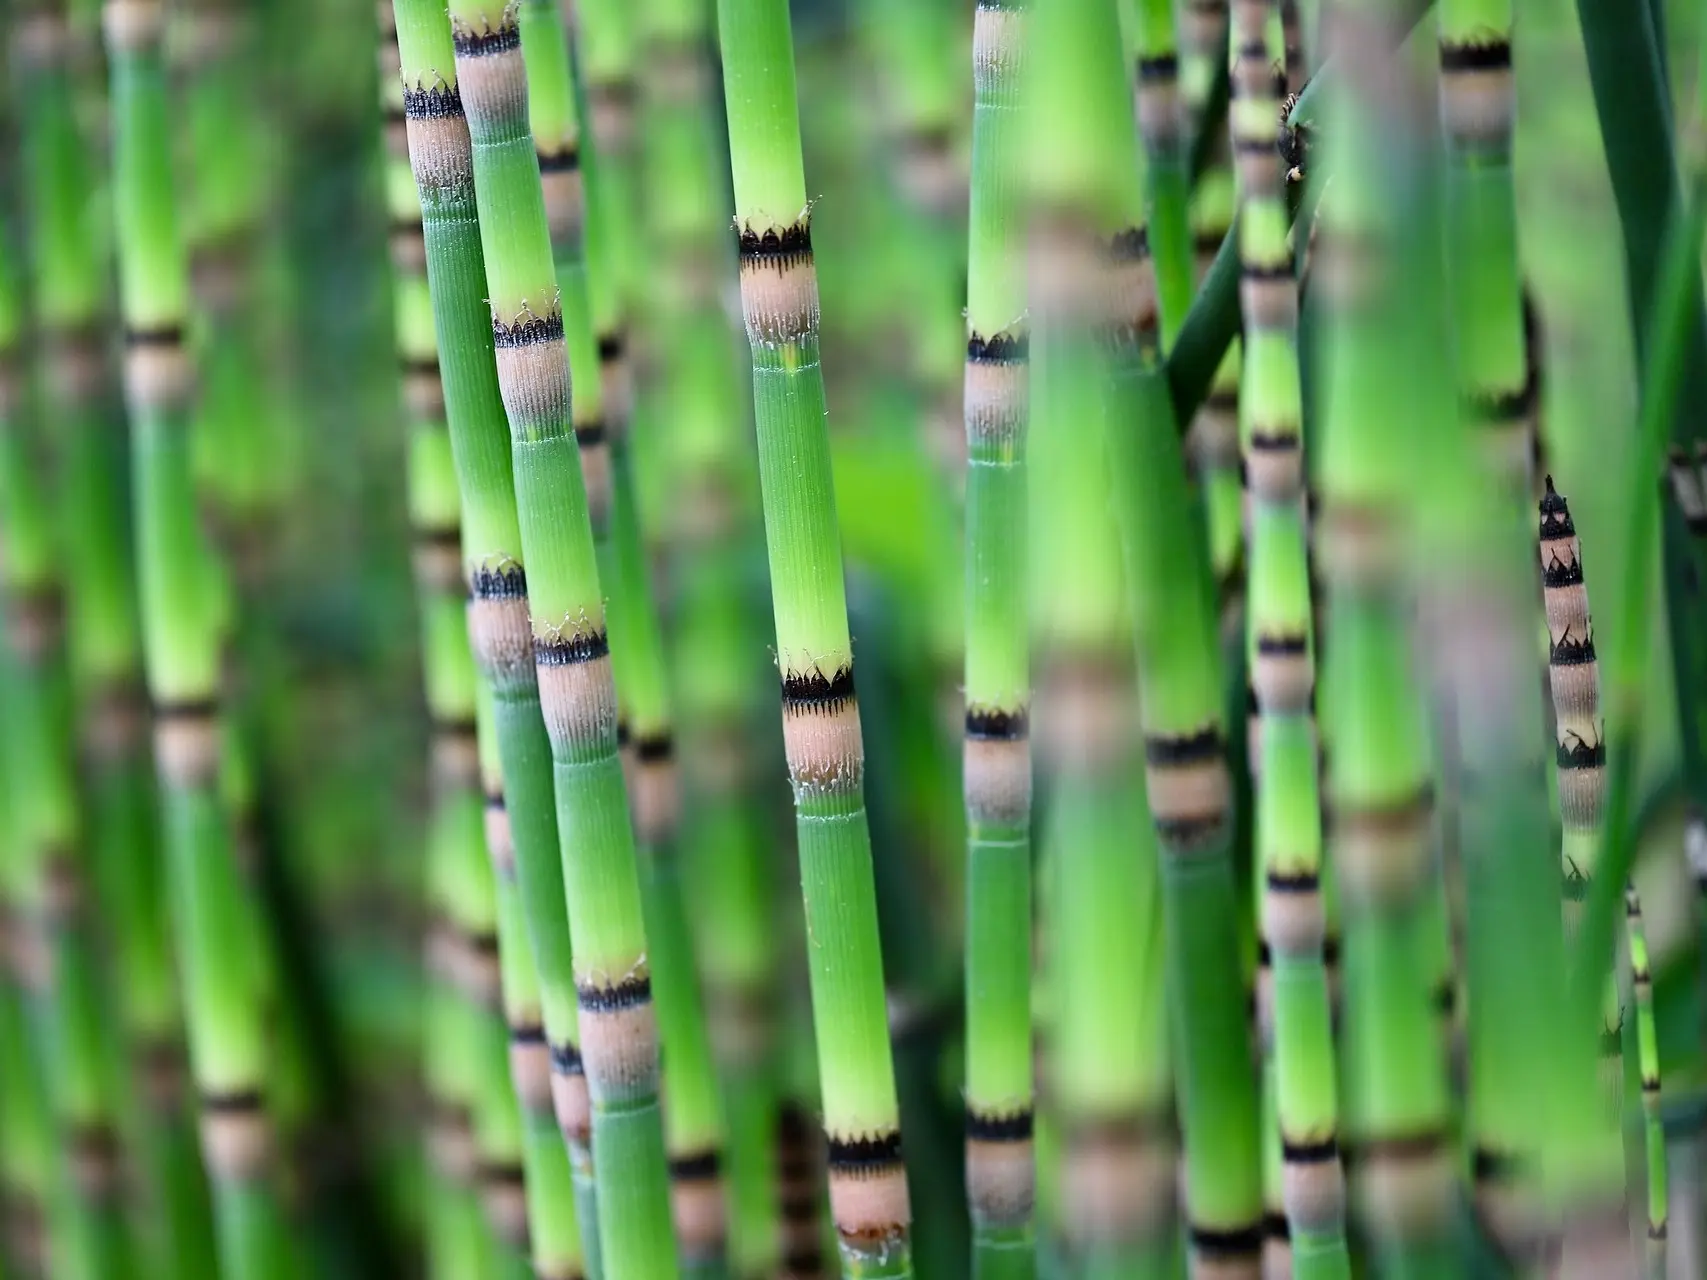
[(1181, 699), (1653, 1099), (779, 291), (1282, 661), (228, 1050), (1477, 107), (1152, 44), (1102, 894), (693, 1122), (90, 682), (1477, 599), (692, 396), (1000, 1161), (554, 116), (1396, 1114), (544, 829), (458, 754), (1212, 441), (618, 1024), (1573, 671)]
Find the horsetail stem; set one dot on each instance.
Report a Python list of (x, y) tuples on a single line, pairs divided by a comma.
[(70, 673), (1396, 1112), (693, 398), (1281, 657), (619, 1033), (1101, 902), (1153, 45), (1573, 673), (458, 749), (693, 1127), (1000, 1173), (1094, 191), (826, 756), (561, 148), (1212, 440), (181, 647), (1477, 107), (74, 304), (1648, 1067)]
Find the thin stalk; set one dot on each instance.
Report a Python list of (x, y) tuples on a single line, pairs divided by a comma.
[(1653, 1100), (228, 1051), (1212, 441), (1000, 1174), (566, 613), (1573, 670), (779, 292), (442, 156), (1281, 653)]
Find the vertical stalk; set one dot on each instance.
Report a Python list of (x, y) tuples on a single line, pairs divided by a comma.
[(1181, 699), (1653, 1100), (1396, 1113), (1103, 894), (692, 396), (1153, 45), (693, 1122), (1281, 654), (1000, 1161), (826, 755), (228, 1050), (1573, 672)]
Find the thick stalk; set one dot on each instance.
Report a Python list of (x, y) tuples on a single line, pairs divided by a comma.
[(1396, 1115), (826, 755), (1180, 685)]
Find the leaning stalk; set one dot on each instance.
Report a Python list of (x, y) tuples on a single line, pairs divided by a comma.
[(693, 1126), (1000, 1175), (611, 968), (821, 728)]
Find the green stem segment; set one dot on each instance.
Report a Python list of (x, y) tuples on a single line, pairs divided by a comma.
[(821, 726), (570, 652), (997, 759), (1281, 656), (228, 1048)]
